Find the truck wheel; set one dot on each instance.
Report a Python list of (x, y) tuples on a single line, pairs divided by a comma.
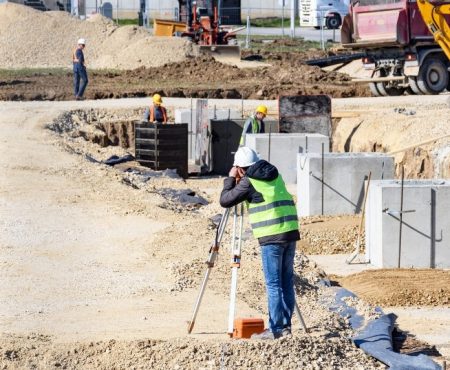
[(389, 91), (433, 76), (333, 22), (409, 91), (373, 89), (413, 85)]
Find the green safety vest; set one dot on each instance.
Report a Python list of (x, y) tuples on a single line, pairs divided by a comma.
[(277, 214), (255, 130)]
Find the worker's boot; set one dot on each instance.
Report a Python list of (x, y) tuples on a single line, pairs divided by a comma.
[(286, 332), (266, 335)]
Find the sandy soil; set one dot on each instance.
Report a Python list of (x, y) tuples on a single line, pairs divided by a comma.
[(61, 222), (401, 287), (33, 39), (100, 274), (110, 271), (414, 130)]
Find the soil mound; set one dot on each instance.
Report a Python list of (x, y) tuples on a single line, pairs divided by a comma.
[(34, 39), (401, 287)]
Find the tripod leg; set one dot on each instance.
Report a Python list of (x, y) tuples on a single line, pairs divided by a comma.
[(300, 317), (232, 307), (213, 252), (238, 223), (199, 300)]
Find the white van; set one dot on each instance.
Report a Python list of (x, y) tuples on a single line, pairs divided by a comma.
[(333, 12)]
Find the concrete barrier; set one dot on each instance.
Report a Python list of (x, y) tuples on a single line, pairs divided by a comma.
[(284, 149), (425, 240), (186, 116), (342, 189)]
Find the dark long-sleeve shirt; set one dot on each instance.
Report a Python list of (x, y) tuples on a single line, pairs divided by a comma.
[(233, 194), (79, 57)]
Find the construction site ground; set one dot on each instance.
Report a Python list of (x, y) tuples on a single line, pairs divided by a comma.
[(100, 268), (194, 77), (101, 271), (127, 61)]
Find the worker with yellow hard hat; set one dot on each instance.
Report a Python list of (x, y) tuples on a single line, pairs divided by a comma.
[(254, 124), (156, 112)]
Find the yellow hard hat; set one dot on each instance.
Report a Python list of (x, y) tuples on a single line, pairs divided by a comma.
[(262, 109), (157, 99)]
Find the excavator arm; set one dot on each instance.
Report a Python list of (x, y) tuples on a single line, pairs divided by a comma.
[(433, 13)]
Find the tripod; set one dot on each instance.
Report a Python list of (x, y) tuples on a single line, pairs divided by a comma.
[(236, 243)]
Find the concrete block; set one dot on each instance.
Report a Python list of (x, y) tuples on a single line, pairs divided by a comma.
[(284, 149), (425, 225), (343, 181), (184, 116)]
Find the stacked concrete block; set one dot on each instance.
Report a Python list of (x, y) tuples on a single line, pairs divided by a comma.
[(343, 174), (189, 116), (284, 149), (425, 239)]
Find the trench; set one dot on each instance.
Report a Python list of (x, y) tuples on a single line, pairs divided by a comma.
[(115, 128)]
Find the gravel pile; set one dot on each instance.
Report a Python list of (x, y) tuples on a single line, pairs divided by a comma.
[(330, 234), (332, 241), (34, 39), (298, 352)]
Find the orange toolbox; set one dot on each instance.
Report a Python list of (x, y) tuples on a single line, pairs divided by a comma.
[(244, 328)]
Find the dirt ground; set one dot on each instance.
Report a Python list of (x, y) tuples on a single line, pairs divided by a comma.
[(101, 274), (196, 77), (128, 62), (65, 217), (400, 287)]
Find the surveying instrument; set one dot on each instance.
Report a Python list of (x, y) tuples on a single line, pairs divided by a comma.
[(236, 243)]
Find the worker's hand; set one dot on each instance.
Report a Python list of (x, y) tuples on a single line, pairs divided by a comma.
[(233, 172)]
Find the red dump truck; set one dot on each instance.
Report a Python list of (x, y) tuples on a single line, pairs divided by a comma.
[(399, 50)]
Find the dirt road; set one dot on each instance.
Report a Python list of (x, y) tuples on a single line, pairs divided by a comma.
[(75, 246)]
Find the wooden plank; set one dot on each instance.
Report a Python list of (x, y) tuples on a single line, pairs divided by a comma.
[(347, 114)]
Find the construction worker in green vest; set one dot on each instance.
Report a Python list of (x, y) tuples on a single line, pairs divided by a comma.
[(273, 218), (254, 124)]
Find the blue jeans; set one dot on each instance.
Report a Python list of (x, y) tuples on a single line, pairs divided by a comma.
[(79, 72), (278, 266)]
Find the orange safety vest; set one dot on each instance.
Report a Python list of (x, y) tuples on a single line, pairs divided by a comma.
[(152, 113)]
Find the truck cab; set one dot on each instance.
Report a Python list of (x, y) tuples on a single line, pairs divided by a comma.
[(326, 13)]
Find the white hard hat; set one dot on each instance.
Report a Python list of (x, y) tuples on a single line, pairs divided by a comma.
[(81, 42), (245, 157)]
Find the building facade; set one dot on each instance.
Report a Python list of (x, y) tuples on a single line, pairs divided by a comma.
[(172, 9)]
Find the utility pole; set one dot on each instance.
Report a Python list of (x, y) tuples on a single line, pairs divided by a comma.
[(146, 15), (292, 18), (219, 10)]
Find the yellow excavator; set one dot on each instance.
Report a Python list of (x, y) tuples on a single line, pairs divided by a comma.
[(433, 13)]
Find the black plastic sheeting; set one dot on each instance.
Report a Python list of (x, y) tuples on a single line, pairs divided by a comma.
[(183, 196), (339, 306), (376, 338), (113, 160)]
